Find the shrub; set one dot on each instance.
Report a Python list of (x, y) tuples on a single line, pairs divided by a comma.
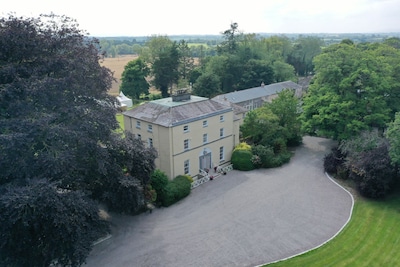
[(188, 177), (241, 160), (279, 146), (150, 194), (280, 159), (159, 181), (294, 141), (265, 155), (125, 196), (243, 146), (373, 173), (182, 184), (176, 190), (334, 161), (169, 195)]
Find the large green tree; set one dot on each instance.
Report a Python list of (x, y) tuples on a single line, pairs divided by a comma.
[(165, 69), (186, 61), (304, 50), (261, 127), (57, 121), (355, 88), (207, 85), (133, 78), (393, 136), (255, 72), (232, 38), (287, 107)]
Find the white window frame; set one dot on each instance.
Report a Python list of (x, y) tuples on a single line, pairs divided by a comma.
[(221, 118), (205, 123), (186, 144), (221, 132), (150, 142), (139, 136), (186, 128), (186, 167), (221, 153), (205, 138), (138, 125), (150, 128)]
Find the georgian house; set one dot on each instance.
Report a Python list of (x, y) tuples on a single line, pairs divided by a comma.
[(190, 133)]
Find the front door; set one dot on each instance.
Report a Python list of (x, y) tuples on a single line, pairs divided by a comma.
[(205, 161)]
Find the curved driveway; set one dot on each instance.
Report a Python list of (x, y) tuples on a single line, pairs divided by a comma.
[(240, 219)]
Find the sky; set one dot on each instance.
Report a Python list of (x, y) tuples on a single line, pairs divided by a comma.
[(177, 17)]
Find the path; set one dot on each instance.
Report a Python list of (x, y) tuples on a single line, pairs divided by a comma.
[(240, 219)]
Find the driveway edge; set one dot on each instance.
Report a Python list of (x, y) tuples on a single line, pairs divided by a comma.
[(340, 230)]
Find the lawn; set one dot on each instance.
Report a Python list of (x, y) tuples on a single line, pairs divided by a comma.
[(372, 238), (120, 119)]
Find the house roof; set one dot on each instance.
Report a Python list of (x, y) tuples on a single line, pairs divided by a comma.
[(258, 92), (168, 113), (237, 110)]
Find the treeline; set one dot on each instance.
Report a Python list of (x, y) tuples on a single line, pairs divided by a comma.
[(355, 98), (206, 44), (239, 61)]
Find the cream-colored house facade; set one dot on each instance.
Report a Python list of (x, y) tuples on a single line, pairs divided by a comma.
[(190, 133)]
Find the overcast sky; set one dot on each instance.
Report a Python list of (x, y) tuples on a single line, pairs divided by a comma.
[(170, 17)]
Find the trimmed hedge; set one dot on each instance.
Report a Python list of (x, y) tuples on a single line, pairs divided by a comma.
[(176, 190), (242, 160), (159, 181)]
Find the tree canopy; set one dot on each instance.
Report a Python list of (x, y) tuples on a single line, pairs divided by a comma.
[(355, 89), (40, 226), (165, 69), (58, 124), (393, 136), (133, 78)]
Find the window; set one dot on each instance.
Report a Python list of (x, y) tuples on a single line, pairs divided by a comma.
[(138, 124), (205, 123), (186, 167), (205, 138), (150, 128), (186, 128), (221, 153), (221, 132), (221, 118), (150, 142), (186, 144), (139, 136)]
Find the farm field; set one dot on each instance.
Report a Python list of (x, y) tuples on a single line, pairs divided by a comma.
[(116, 65)]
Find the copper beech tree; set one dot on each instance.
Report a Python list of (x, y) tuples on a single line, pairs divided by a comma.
[(57, 128)]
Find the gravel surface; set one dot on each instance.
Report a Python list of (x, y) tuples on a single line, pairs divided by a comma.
[(238, 219)]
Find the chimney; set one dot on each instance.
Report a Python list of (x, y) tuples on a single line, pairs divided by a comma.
[(262, 84), (181, 95)]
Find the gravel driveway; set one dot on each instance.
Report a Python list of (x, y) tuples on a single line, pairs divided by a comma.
[(240, 219)]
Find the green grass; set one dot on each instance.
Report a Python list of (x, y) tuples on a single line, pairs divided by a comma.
[(198, 44), (372, 238), (120, 119)]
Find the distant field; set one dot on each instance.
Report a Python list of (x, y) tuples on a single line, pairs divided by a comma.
[(198, 44), (117, 65)]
